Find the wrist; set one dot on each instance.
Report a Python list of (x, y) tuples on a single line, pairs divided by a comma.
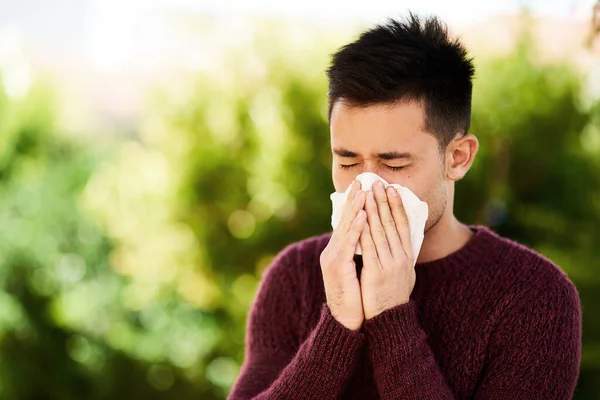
[(396, 326)]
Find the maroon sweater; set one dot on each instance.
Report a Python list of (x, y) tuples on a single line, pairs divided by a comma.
[(493, 320)]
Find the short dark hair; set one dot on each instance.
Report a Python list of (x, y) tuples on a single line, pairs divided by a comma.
[(404, 61)]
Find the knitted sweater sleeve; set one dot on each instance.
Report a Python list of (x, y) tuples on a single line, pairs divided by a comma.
[(533, 353), (277, 365), (403, 363)]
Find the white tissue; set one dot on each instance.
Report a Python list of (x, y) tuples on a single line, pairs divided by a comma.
[(416, 210)]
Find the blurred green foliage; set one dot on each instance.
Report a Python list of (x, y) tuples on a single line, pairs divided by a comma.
[(128, 273)]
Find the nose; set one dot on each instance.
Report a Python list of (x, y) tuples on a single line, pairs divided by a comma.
[(371, 166)]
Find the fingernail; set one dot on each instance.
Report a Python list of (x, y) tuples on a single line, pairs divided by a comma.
[(379, 187), (392, 191)]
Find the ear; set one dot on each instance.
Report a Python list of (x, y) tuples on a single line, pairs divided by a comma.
[(460, 154)]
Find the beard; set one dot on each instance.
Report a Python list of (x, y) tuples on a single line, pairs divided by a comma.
[(437, 208), (432, 221)]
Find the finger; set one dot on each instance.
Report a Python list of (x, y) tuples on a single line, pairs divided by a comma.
[(400, 219), (353, 235), (377, 231), (369, 252), (344, 242), (357, 204), (355, 186), (350, 211), (344, 246), (387, 221)]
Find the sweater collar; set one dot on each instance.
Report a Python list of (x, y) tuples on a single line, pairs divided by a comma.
[(483, 245)]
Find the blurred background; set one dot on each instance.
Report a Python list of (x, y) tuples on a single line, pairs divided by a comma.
[(156, 155)]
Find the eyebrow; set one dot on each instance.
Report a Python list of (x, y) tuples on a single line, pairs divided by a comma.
[(390, 155)]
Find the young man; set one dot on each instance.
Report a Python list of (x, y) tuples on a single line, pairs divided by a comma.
[(478, 317)]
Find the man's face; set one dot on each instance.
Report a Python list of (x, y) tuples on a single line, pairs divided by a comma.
[(389, 141)]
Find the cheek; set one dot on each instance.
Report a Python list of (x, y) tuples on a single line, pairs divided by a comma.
[(342, 179), (436, 194), (415, 179), (426, 184)]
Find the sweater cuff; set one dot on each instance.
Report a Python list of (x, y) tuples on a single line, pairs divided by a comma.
[(334, 343), (397, 327)]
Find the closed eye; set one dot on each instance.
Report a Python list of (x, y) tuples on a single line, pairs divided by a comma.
[(395, 169), (391, 168), (348, 166)]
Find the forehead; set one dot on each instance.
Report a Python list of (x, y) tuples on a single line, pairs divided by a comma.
[(379, 128)]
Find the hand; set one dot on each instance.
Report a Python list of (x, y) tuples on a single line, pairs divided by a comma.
[(342, 288), (388, 275)]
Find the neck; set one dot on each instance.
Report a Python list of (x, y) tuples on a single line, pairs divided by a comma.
[(446, 237)]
